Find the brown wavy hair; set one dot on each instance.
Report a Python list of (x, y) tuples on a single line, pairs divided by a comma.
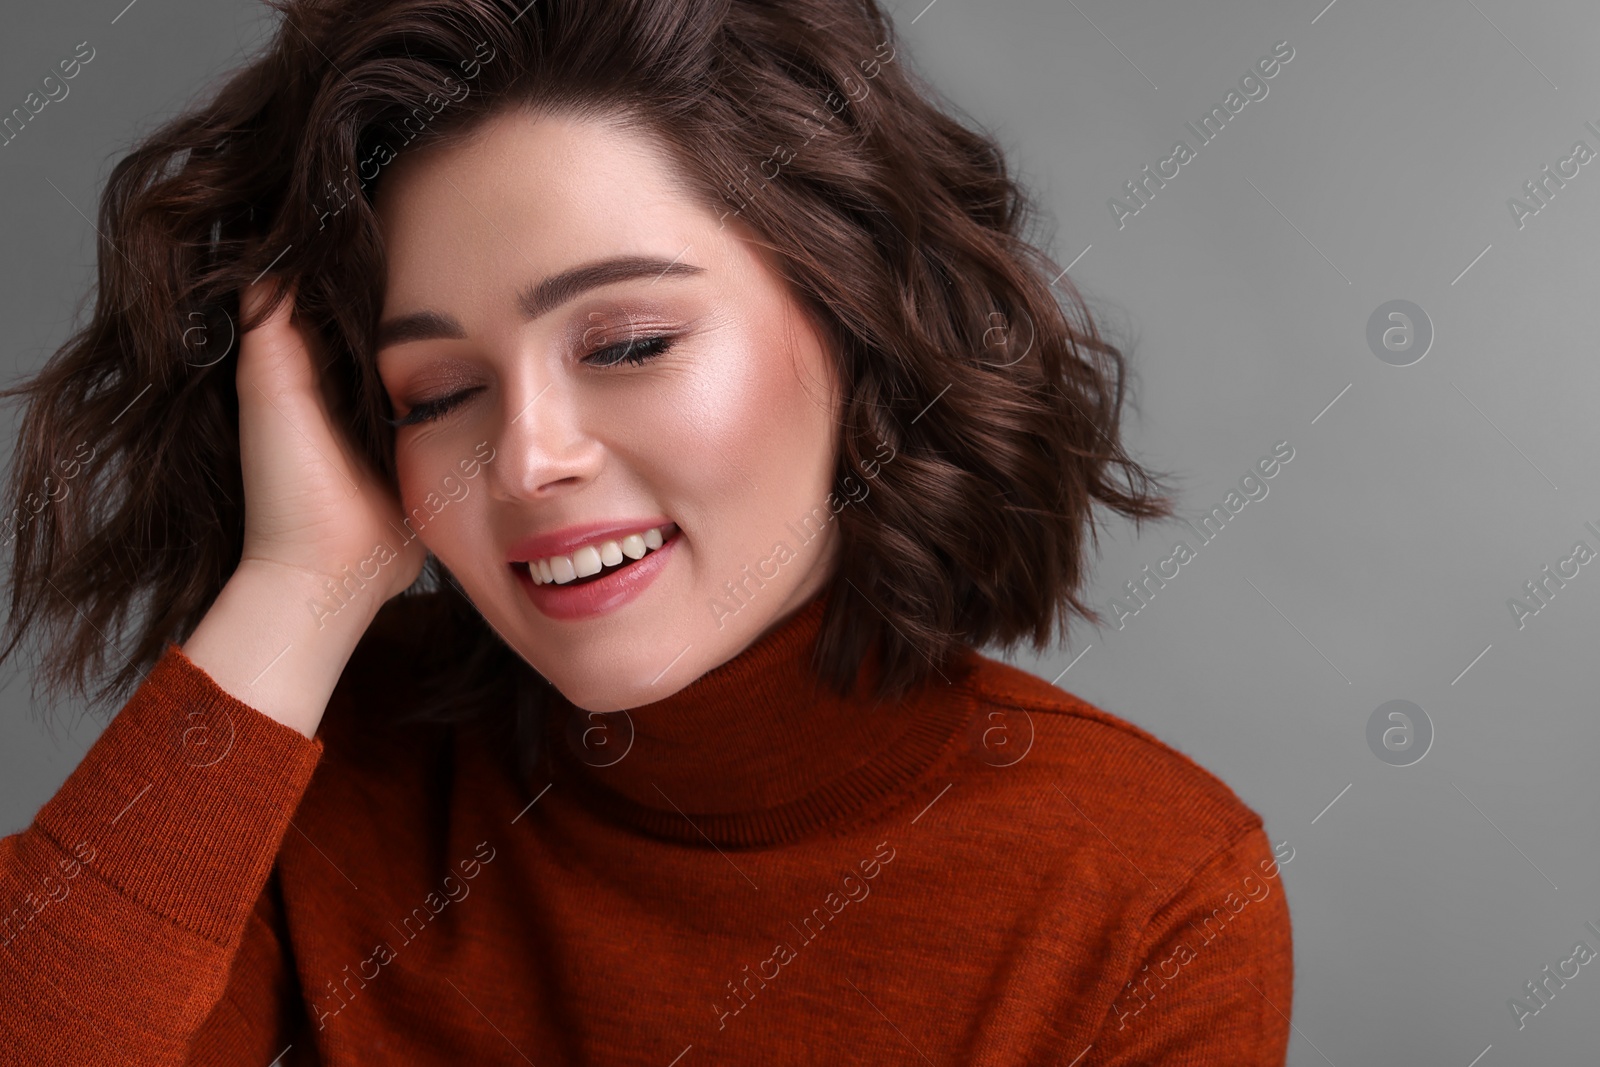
[(962, 346)]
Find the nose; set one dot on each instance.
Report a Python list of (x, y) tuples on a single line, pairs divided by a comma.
[(543, 447)]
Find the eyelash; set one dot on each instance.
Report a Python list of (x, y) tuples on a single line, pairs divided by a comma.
[(636, 351), (632, 351)]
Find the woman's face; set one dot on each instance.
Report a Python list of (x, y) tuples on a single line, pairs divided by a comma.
[(614, 365)]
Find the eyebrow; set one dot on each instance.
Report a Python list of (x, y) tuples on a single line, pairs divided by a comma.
[(536, 300)]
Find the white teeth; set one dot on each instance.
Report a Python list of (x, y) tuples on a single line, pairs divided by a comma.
[(586, 561), (589, 559)]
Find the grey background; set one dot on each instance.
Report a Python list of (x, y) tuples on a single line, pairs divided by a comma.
[(1379, 565)]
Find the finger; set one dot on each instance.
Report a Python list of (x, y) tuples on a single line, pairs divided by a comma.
[(257, 293), (273, 357)]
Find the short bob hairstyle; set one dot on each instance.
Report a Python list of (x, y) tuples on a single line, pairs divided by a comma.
[(898, 228)]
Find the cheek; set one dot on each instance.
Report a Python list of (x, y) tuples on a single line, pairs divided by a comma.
[(762, 433), (746, 413), (438, 503), (736, 443)]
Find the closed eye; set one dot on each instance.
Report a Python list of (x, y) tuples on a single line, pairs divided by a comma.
[(633, 350), (429, 410)]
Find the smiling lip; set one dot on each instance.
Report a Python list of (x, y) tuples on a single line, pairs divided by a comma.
[(568, 539), (586, 600)]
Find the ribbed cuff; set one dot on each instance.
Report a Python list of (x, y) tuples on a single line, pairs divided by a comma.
[(182, 802)]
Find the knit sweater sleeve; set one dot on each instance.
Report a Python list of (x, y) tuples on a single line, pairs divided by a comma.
[(124, 903), (1213, 978), (261, 1017)]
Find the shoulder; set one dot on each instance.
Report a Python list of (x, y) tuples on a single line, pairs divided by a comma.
[(1086, 774)]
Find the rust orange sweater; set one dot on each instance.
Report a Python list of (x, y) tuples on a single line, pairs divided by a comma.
[(749, 871)]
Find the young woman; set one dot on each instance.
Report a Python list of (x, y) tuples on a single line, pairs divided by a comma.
[(581, 449)]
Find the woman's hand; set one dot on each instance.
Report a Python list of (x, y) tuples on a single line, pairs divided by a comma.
[(285, 624), (312, 503)]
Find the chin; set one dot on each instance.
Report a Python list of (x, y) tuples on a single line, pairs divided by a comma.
[(628, 668), (598, 693), (644, 650)]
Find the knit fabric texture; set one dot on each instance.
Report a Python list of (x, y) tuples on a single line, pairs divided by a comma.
[(751, 870)]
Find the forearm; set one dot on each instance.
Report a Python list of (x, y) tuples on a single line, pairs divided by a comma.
[(128, 896), (277, 640)]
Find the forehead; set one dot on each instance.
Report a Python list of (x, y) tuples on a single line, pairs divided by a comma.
[(524, 192)]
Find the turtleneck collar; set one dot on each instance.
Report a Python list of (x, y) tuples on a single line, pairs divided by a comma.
[(758, 750)]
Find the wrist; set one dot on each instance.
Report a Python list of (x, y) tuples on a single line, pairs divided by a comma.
[(273, 641), (341, 603)]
